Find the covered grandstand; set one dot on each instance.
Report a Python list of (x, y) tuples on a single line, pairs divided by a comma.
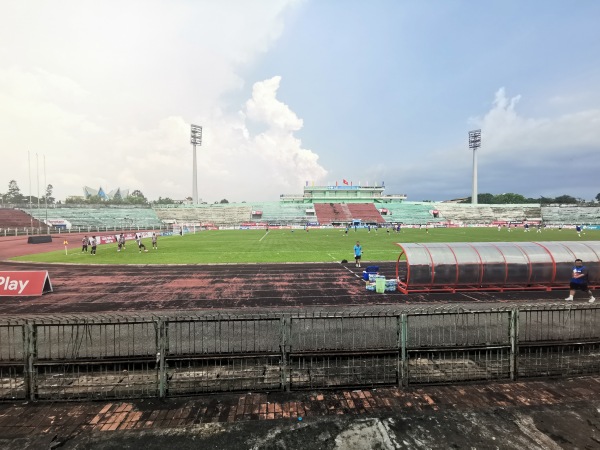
[(318, 205)]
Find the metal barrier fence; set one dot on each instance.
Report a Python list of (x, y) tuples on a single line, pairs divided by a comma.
[(33, 231), (131, 357)]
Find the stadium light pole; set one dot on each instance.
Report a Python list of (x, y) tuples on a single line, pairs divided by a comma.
[(196, 139), (474, 143)]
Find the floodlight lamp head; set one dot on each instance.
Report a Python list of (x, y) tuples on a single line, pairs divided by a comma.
[(196, 136), (475, 139)]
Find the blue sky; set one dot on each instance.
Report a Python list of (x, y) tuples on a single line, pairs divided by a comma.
[(297, 90)]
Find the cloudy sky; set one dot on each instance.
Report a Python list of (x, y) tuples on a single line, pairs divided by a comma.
[(289, 91)]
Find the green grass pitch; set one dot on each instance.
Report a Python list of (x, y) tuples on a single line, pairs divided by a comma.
[(284, 245)]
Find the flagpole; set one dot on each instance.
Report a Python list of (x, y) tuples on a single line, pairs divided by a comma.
[(29, 164), (37, 165), (46, 196)]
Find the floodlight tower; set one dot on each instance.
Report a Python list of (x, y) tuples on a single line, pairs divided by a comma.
[(196, 139), (474, 143)]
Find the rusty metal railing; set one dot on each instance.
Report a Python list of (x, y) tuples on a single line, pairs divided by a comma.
[(103, 357)]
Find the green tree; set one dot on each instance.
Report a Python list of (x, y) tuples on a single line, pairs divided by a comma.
[(597, 197), (164, 201), (137, 197), (14, 193), (485, 198), (224, 201), (565, 199), (509, 198), (49, 197), (94, 199)]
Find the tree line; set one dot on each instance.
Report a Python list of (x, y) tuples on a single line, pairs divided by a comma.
[(16, 197), (511, 198)]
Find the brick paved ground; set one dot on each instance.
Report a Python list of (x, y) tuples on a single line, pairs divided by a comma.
[(85, 425)]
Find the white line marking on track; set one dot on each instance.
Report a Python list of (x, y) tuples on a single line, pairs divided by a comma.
[(346, 267)]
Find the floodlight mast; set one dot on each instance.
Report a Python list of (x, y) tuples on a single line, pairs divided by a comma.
[(196, 139), (475, 144)]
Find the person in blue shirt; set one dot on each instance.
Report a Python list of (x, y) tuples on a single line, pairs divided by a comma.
[(357, 253), (579, 281)]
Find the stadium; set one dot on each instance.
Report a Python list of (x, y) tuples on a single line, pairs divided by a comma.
[(275, 302), (317, 206), (265, 297), (339, 300)]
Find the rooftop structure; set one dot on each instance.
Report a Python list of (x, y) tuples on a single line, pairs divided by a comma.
[(115, 193), (346, 193)]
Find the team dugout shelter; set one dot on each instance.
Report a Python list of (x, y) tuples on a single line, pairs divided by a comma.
[(494, 266)]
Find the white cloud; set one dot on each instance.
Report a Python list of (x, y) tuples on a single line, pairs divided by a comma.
[(527, 155), (106, 91), (504, 131), (232, 162)]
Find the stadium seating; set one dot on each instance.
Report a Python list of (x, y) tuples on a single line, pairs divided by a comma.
[(101, 217), (340, 213), (367, 212), (328, 213), (468, 214), (234, 214), (218, 214), (284, 213), (15, 218), (410, 213), (571, 214), (288, 213)]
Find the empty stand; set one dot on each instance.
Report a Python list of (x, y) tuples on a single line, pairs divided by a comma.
[(101, 217), (571, 214), (367, 212), (15, 218), (328, 213), (411, 213), (285, 213), (218, 215), (467, 213)]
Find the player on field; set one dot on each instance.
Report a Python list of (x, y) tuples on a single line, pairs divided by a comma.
[(357, 253), (138, 238)]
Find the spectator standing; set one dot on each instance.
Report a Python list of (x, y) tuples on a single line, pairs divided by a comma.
[(579, 281), (93, 243), (84, 244)]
